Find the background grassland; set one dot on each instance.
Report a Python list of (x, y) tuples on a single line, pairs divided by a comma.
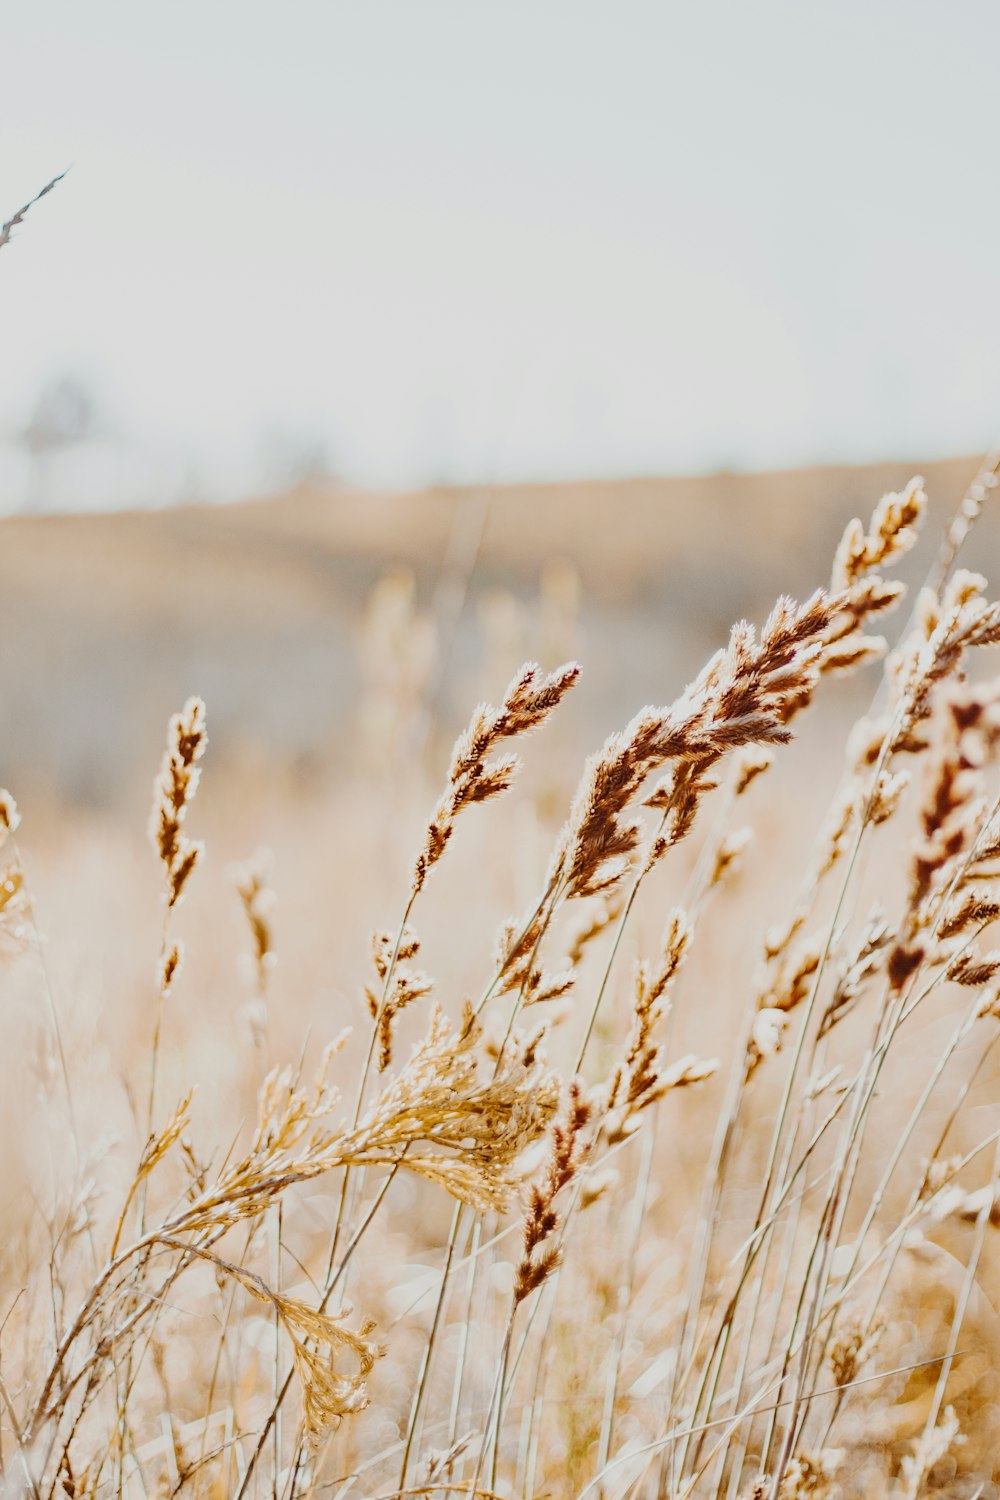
[(340, 642)]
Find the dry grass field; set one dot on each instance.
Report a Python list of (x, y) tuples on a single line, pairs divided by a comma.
[(383, 1116), (257, 606)]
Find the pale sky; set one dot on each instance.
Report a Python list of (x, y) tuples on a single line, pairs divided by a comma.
[(483, 239)]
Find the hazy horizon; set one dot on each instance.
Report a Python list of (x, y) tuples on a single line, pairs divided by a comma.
[(406, 244)]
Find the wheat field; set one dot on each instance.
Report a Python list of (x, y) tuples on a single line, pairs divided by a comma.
[(608, 1127)]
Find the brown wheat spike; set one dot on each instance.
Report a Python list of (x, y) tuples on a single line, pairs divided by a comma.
[(950, 816), (784, 992), (473, 776), (751, 763), (858, 970), (169, 967), (173, 791), (258, 901), (891, 534), (729, 854), (971, 909), (407, 985), (515, 952), (10, 818), (742, 697), (951, 812), (590, 925), (973, 970), (643, 1077), (568, 1150)]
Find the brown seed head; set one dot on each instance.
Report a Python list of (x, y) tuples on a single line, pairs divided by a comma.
[(173, 791)]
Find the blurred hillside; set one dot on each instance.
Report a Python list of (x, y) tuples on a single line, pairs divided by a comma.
[(109, 621)]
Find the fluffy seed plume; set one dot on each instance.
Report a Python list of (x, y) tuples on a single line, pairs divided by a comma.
[(953, 1202), (810, 1476), (961, 620)]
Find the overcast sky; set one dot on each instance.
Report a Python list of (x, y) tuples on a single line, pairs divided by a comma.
[(474, 239)]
